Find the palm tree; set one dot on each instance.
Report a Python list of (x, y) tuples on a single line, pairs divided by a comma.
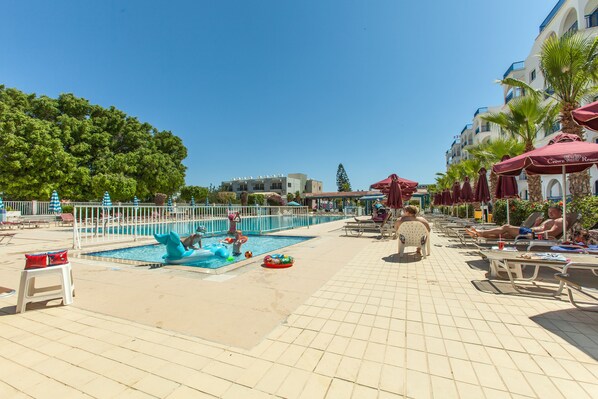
[(570, 67), (525, 118), (492, 151)]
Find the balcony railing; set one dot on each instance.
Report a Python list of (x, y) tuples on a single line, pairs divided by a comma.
[(481, 110), (468, 126), (551, 15), (516, 66)]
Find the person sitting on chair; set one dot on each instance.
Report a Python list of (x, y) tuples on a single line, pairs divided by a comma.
[(410, 215), (551, 227)]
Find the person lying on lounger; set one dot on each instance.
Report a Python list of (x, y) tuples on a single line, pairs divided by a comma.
[(551, 227)]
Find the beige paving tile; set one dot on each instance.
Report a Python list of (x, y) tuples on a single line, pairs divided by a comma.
[(274, 377), (208, 384), (363, 392), (339, 389)]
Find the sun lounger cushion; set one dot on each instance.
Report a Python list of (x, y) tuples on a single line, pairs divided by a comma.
[(36, 261), (58, 257)]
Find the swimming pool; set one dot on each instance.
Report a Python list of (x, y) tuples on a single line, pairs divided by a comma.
[(152, 254), (249, 225)]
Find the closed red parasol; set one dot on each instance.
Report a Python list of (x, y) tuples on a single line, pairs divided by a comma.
[(456, 193), (506, 188), (566, 153), (446, 197), (482, 192), (395, 200), (466, 192)]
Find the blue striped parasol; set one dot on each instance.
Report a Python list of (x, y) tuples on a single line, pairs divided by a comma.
[(106, 201), (207, 201), (136, 202), (1, 203), (192, 201), (55, 203), (169, 204)]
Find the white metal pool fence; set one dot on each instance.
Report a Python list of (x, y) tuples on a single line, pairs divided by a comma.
[(94, 224)]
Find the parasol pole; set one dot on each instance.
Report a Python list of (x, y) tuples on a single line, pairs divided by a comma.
[(564, 204), (508, 218)]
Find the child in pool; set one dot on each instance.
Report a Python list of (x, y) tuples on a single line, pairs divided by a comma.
[(239, 240)]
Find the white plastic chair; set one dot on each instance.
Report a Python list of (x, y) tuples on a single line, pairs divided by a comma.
[(413, 234)]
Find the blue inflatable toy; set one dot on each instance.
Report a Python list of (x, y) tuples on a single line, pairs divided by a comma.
[(176, 253)]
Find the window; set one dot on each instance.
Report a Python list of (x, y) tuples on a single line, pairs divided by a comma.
[(572, 29), (592, 19), (532, 75), (289, 185), (258, 186), (276, 186), (242, 187)]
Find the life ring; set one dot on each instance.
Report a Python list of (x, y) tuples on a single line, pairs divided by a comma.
[(278, 261)]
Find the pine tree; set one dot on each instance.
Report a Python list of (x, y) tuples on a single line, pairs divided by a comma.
[(342, 180)]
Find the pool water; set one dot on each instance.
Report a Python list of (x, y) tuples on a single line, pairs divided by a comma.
[(257, 244), (249, 225)]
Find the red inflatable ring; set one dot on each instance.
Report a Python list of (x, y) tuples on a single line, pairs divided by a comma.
[(278, 261)]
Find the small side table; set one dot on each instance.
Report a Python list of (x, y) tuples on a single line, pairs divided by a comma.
[(27, 289)]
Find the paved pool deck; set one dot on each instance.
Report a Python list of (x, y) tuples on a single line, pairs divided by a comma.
[(349, 320)]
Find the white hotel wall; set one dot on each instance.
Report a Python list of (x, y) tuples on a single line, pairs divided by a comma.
[(570, 11)]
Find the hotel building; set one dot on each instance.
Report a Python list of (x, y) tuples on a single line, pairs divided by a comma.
[(279, 184), (566, 16)]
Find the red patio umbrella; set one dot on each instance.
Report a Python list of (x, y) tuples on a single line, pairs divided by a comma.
[(466, 195), (466, 192), (587, 116), (395, 200), (506, 188), (446, 197), (566, 153), (482, 192), (385, 184), (439, 198), (456, 193)]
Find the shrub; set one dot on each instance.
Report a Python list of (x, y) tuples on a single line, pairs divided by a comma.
[(519, 210), (588, 207), (67, 209), (160, 199)]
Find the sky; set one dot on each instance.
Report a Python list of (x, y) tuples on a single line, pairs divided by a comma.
[(276, 87)]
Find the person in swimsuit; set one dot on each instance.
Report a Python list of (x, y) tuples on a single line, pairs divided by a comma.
[(551, 227), (239, 240), (194, 240)]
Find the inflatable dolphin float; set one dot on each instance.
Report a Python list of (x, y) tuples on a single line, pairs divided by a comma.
[(177, 255)]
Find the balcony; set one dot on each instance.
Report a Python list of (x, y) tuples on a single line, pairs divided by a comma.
[(516, 66), (514, 93), (551, 15), (483, 128), (467, 127), (481, 110)]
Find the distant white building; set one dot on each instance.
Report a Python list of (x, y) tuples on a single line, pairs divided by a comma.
[(279, 184), (565, 16)]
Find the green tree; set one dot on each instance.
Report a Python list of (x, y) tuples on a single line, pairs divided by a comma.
[(526, 116), (77, 148), (342, 180), (198, 193), (570, 67), (492, 151)]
